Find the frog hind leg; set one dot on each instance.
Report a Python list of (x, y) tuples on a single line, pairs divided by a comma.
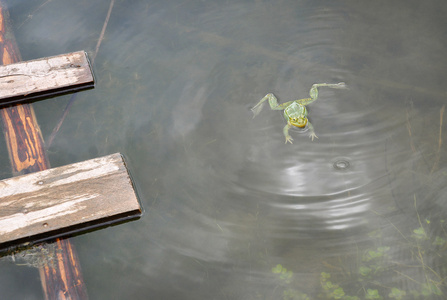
[(273, 102), (314, 91)]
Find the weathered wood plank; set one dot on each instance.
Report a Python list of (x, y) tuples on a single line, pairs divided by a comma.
[(45, 77), (61, 280), (66, 199)]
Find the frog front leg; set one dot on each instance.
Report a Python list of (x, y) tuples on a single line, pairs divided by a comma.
[(289, 139), (312, 134), (273, 102), (286, 133)]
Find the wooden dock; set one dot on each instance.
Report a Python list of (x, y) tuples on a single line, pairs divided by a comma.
[(45, 77), (30, 209), (63, 200)]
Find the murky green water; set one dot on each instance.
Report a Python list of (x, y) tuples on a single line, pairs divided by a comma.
[(231, 212)]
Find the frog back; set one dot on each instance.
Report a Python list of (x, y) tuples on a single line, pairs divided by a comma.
[(295, 111)]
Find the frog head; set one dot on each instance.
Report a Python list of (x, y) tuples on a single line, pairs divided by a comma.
[(300, 121)]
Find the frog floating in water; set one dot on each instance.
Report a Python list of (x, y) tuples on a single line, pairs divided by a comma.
[(295, 111)]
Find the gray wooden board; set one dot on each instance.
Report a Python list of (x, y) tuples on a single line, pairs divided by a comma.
[(60, 199), (45, 77)]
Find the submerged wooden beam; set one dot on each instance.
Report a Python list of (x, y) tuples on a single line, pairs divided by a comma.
[(61, 280), (66, 199), (45, 77)]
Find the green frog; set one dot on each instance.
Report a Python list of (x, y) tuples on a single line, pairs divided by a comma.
[(295, 111)]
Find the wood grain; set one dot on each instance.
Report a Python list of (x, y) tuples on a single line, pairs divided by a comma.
[(45, 77), (66, 199), (27, 154)]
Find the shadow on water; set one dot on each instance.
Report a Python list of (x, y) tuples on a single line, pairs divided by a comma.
[(231, 211)]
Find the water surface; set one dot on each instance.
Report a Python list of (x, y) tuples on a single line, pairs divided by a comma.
[(231, 212)]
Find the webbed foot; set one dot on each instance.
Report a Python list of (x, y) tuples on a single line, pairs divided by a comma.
[(312, 135), (257, 109), (340, 85), (289, 139)]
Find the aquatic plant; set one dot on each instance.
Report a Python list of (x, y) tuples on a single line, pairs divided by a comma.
[(372, 294), (35, 256), (285, 276), (284, 279), (333, 291), (376, 263), (396, 294)]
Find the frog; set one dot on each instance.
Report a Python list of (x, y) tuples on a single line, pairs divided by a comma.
[(295, 111)]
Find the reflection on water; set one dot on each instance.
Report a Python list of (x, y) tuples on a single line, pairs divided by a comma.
[(231, 211)]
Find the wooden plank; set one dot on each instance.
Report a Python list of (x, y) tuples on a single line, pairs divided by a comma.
[(27, 154), (66, 199), (45, 77)]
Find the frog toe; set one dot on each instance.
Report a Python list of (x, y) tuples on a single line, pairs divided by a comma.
[(313, 135)]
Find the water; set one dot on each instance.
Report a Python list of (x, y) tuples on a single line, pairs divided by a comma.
[(231, 212)]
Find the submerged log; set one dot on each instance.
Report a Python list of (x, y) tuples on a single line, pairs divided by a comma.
[(63, 279)]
